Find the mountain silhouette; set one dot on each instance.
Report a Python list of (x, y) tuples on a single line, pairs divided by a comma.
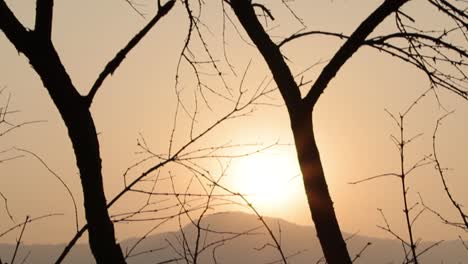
[(236, 237)]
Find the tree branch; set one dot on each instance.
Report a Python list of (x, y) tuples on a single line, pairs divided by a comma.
[(270, 52), (437, 41), (13, 29), (113, 64), (44, 15), (313, 32), (355, 41)]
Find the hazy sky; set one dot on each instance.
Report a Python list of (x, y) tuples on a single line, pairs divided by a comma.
[(353, 130)]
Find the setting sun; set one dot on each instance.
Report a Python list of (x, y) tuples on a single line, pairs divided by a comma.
[(233, 131), (269, 181)]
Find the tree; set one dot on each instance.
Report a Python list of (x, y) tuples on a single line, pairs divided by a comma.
[(74, 108), (425, 50)]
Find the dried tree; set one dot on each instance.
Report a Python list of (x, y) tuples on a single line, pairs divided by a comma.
[(74, 109), (440, 57), (147, 175), (434, 52), (411, 210)]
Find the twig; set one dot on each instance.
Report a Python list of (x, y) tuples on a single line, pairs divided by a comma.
[(358, 255), (59, 179), (29, 221), (6, 207), (18, 242)]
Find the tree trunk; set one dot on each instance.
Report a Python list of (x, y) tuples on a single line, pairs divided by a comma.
[(300, 113), (80, 125), (83, 135), (320, 202)]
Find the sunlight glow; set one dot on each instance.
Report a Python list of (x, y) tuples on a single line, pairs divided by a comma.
[(269, 181)]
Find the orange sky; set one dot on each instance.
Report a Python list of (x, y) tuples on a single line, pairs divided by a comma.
[(353, 130)]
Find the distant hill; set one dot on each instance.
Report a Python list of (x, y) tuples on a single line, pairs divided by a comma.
[(298, 242)]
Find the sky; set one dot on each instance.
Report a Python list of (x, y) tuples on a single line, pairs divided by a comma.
[(138, 101)]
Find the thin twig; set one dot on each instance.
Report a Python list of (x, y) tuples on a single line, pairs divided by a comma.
[(18, 242)]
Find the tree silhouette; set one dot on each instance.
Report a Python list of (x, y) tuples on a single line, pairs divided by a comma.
[(425, 49), (74, 109), (439, 53)]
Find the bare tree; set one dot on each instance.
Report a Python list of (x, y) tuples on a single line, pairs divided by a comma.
[(427, 50), (204, 193), (74, 109), (441, 58), (412, 210)]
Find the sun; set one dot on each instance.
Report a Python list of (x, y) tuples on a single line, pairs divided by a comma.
[(269, 181)]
